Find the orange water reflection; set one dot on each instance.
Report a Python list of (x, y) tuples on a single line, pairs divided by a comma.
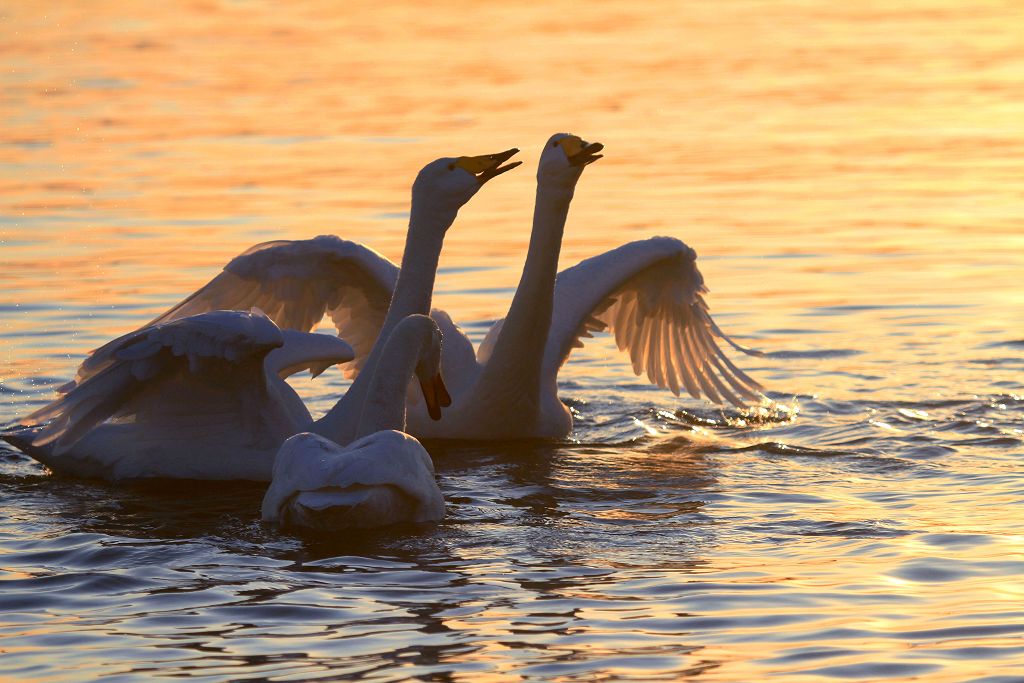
[(849, 173)]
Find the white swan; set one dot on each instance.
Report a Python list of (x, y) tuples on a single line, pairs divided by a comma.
[(201, 397), (222, 436), (383, 477), (649, 294)]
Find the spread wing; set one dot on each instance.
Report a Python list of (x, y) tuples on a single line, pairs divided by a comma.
[(296, 283), (228, 347), (650, 296)]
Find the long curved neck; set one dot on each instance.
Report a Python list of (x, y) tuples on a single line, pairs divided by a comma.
[(412, 294), (518, 354), (415, 286), (384, 406)]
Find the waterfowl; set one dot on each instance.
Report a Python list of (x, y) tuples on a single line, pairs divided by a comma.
[(384, 477), (84, 441), (648, 294)]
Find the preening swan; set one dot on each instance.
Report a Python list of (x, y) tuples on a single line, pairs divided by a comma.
[(201, 397), (227, 420), (384, 476)]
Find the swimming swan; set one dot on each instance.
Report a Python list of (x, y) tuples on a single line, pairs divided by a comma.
[(383, 477), (297, 282), (440, 189), (648, 294)]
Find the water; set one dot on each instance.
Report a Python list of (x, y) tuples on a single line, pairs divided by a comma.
[(849, 175)]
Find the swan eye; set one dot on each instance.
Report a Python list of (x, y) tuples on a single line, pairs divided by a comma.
[(451, 167), (555, 143)]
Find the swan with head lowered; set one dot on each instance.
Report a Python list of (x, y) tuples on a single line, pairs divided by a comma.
[(383, 477), (183, 396)]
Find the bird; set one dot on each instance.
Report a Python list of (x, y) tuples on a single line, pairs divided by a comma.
[(649, 294), (200, 397), (384, 476), (85, 443)]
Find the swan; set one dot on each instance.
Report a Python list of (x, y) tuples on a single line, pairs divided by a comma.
[(648, 294), (201, 397), (222, 434), (383, 477)]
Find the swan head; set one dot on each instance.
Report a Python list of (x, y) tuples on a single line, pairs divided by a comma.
[(563, 159), (428, 370), (448, 183)]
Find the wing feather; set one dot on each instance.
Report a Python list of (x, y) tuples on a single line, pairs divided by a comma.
[(296, 283), (650, 295), (231, 342)]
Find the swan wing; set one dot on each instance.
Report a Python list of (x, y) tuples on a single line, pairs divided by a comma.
[(206, 357), (296, 282), (650, 296)]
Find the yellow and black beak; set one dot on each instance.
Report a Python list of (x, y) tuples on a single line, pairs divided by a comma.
[(435, 394), (579, 151), (487, 166)]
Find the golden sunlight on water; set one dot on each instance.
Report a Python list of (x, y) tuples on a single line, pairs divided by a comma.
[(850, 176)]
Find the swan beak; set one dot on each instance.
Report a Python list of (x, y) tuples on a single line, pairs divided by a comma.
[(436, 396), (580, 152), (487, 166)]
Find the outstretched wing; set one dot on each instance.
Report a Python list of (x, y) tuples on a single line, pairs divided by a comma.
[(296, 283), (649, 295), (229, 346)]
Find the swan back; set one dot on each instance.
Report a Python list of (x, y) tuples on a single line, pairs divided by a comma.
[(381, 479)]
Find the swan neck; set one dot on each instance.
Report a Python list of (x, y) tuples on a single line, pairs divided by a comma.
[(519, 350), (530, 310), (413, 290), (384, 407), (415, 285)]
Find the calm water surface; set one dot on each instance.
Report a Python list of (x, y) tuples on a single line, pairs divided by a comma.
[(851, 177)]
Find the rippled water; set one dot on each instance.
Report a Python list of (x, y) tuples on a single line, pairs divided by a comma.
[(851, 178)]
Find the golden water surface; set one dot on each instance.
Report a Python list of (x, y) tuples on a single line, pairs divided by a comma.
[(850, 175)]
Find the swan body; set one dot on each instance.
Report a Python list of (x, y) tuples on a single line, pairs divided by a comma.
[(648, 294), (383, 477), (201, 397)]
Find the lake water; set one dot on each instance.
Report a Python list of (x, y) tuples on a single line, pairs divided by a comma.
[(850, 175)]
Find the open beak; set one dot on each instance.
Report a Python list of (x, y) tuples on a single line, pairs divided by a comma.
[(588, 154), (488, 166), (435, 394), (579, 152)]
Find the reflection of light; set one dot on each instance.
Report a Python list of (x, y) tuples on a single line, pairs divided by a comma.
[(646, 427), (883, 425)]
